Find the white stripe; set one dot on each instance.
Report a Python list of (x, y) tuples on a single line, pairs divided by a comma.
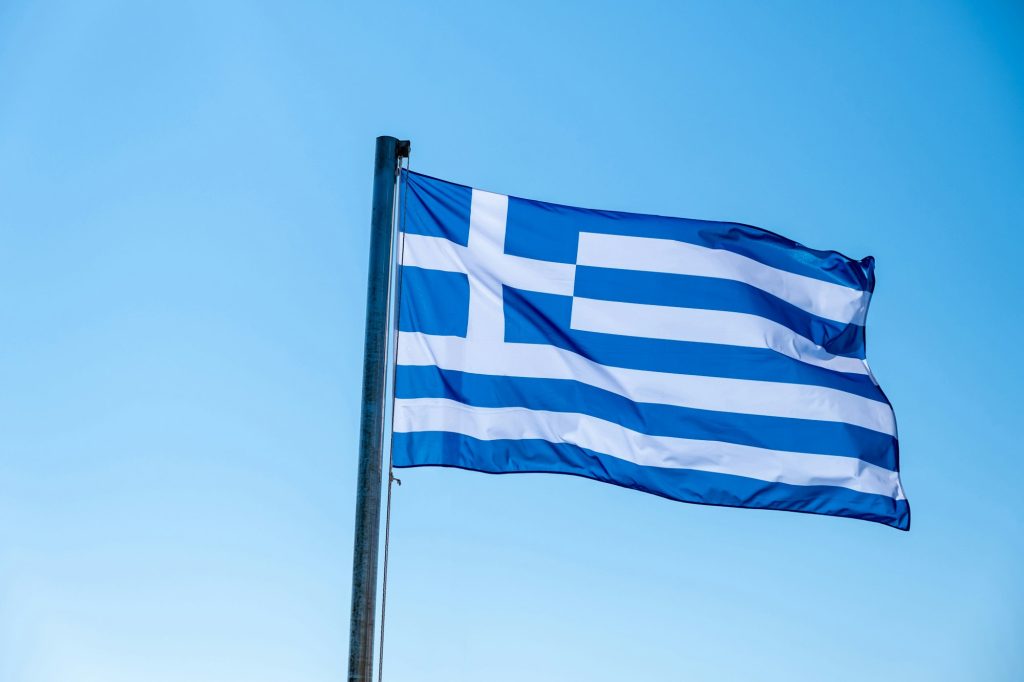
[(824, 299), (742, 396), (703, 326), (487, 214), (433, 253), (490, 423), (437, 253)]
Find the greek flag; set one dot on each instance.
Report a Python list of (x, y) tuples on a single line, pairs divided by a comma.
[(705, 362)]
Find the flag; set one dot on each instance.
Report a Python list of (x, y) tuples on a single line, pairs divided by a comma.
[(705, 362)]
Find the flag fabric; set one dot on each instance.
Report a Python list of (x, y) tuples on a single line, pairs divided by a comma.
[(706, 362)]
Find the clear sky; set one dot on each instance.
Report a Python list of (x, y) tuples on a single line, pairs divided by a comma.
[(184, 208)]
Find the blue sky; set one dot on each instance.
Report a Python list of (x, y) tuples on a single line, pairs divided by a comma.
[(184, 205)]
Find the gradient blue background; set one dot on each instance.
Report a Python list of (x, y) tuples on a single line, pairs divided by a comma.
[(184, 204)]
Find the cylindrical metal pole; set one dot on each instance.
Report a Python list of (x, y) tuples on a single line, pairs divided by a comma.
[(368, 492)]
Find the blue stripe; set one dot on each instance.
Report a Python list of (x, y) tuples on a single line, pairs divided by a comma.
[(532, 317), (436, 208), (687, 291), (563, 395), (536, 229), (442, 448)]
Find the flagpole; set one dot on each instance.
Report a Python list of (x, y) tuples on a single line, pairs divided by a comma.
[(366, 541)]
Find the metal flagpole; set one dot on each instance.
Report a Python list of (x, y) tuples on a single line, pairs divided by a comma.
[(368, 492)]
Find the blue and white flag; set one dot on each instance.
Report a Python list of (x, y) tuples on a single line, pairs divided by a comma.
[(705, 362)]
